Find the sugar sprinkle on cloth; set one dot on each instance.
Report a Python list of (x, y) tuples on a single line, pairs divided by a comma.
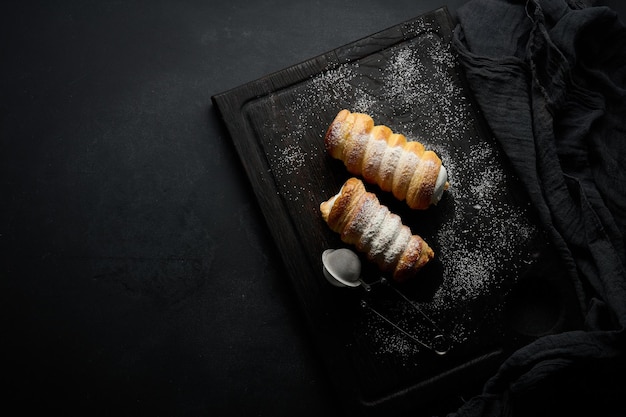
[(550, 79)]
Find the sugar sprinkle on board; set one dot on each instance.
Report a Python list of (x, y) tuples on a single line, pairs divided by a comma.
[(483, 235)]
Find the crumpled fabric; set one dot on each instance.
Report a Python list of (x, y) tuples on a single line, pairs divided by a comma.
[(550, 79)]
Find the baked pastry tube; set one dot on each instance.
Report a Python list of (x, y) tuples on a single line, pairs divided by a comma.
[(385, 158), (362, 221)]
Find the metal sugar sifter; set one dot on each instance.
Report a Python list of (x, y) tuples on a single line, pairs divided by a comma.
[(342, 268)]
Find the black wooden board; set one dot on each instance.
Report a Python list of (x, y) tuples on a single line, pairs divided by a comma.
[(494, 283)]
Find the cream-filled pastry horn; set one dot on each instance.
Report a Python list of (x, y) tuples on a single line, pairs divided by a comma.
[(387, 159), (362, 221)]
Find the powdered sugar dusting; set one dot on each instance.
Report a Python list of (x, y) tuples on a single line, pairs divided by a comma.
[(292, 158), (385, 237), (435, 90), (372, 225), (415, 89), (485, 241)]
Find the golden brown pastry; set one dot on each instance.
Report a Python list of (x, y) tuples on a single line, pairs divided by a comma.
[(387, 159), (362, 221)]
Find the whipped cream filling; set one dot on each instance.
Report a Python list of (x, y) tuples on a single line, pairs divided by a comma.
[(440, 185)]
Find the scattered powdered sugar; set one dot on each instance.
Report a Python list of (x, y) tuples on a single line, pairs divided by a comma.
[(330, 87), (390, 342), (292, 158), (296, 143), (385, 237), (415, 89), (422, 78), (485, 241)]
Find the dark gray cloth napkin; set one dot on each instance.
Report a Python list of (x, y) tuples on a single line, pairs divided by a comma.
[(550, 79)]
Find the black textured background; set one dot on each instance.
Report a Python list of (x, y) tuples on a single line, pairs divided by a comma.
[(138, 276)]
